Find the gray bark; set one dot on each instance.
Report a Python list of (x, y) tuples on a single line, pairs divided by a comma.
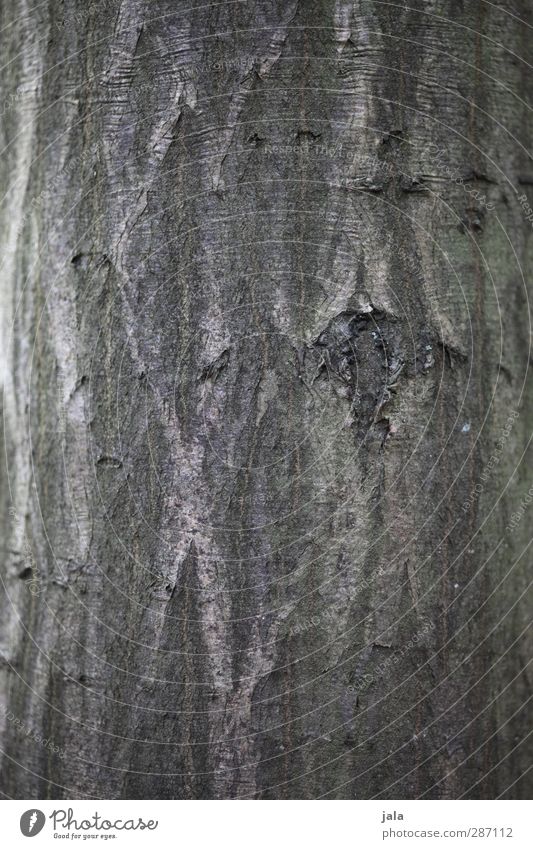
[(260, 347)]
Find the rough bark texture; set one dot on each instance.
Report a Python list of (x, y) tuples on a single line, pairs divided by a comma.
[(259, 348)]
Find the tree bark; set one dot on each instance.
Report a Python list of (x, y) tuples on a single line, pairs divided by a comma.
[(265, 346)]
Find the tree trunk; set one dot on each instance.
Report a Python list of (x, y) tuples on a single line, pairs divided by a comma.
[(265, 340)]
